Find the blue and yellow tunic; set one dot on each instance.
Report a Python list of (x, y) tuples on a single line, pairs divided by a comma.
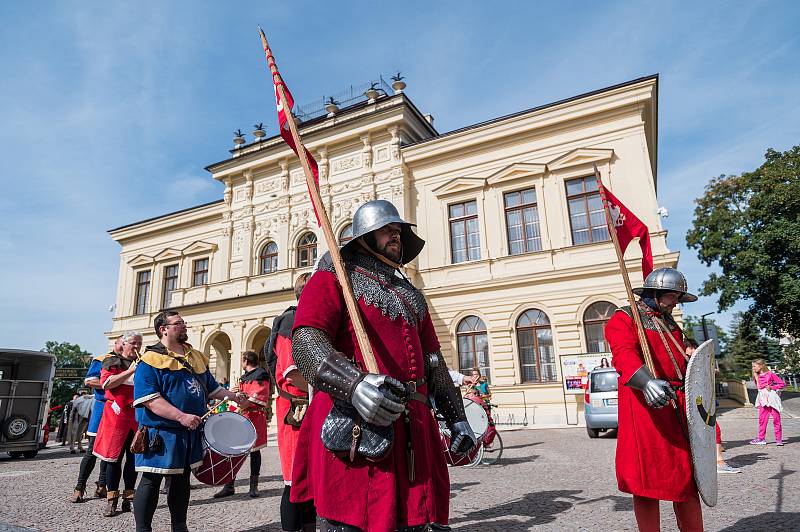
[(99, 394), (163, 373)]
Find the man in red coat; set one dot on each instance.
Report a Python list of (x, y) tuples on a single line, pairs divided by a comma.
[(409, 487), (653, 457)]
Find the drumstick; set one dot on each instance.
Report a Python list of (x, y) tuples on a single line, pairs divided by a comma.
[(211, 410)]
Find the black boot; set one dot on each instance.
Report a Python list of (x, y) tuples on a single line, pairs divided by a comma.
[(254, 486), (226, 491)]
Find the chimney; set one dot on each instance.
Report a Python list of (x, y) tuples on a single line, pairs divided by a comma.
[(429, 119)]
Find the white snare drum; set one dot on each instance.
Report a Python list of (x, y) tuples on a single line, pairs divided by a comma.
[(227, 440), (476, 416)]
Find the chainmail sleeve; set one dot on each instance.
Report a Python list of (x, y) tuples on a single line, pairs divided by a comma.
[(445, 394), (310, 347), (324, 368)]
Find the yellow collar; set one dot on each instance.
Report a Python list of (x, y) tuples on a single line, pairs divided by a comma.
[(104, 356), (171, 360)]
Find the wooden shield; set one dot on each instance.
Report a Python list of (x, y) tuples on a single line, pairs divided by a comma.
[(701, 410)]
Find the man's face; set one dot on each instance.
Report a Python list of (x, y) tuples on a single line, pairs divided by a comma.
[(131, 348), (667, 301), (387, 242), (118, 345), (175, 329)]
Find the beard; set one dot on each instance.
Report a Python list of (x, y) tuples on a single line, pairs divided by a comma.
[(182, 337), (394, 254)]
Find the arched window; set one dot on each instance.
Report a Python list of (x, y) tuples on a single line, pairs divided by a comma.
[(346, 234), (269, 258), (537, 358), (307, 250), (473, 346), (594, 325)]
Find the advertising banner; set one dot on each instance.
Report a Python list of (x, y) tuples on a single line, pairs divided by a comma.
[(575, 369)]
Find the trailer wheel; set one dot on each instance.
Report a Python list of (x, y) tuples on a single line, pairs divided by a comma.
[(15, 427), (15, 454), (31, 453)]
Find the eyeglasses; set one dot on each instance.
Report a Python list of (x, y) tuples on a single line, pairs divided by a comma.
[(179, 323)]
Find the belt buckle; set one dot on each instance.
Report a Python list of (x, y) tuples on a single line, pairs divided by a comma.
[(411, 386)]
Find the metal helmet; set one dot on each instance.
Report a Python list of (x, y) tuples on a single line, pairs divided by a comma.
[(668, 279), (379, 213)]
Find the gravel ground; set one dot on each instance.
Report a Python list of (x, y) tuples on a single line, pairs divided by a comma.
[(548, 479)]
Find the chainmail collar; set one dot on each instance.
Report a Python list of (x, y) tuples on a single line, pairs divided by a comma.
[(372, 264)]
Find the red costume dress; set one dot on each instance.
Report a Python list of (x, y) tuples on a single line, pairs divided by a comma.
[(119, 416), (653, 458), (373, 496), (287, 434), (255, 383)]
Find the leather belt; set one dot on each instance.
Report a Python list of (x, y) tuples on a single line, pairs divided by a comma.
[(411, 391)]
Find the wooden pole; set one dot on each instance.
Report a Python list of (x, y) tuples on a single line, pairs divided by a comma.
[(333, 247), (648, 358)]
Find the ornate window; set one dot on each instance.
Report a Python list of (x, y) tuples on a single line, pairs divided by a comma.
[(594, 325), (346, 234), (464, 234), (473, 346), (170, 284), (142, 291), (268, 258), (536, 355), (522, 221), (200, 272), (586, 216), (307, 250)]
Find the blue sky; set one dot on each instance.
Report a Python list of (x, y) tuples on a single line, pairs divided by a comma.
[(109, 111)]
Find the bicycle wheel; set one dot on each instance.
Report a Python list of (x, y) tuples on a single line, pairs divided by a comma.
[(492, 454), (478, 457)]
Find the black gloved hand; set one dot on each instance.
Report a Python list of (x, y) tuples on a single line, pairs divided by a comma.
[(462, 439)]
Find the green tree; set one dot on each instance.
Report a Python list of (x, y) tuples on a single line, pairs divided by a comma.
[(67, 356), (748, 343), (690, 322), (750, 225), (791, 359)]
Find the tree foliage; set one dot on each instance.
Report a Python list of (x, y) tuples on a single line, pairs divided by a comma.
[(689, 323), (750, 225), (748, 343), (67, 356)]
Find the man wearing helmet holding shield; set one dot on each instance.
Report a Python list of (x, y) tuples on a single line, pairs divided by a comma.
[(653, 458), (407, 487)]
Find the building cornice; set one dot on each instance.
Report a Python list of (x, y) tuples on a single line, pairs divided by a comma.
[(190, 215)]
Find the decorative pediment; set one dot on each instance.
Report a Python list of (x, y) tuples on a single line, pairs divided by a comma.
[(167, 254), (198, 247), (581, 156), (516, 171), (140, 260), (458, 185)]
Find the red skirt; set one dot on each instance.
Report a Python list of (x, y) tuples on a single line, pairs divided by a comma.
[(114, 428)]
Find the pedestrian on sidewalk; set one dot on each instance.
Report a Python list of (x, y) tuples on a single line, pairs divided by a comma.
[(78, 421), (768, 401)]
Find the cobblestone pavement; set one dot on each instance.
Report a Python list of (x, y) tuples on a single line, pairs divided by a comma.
[(549, 479)]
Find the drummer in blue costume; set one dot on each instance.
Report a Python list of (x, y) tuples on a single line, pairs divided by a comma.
[(92, 380), (172, 386)]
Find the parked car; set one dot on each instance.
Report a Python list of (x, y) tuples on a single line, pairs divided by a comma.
[(600, 400), (26, 382)]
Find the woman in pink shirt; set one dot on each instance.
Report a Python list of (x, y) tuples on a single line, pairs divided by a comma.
[(768, 401)]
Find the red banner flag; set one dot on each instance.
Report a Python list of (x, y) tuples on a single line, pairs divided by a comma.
[(628, 226), (285, 108)]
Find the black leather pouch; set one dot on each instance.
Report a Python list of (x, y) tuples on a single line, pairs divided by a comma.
[(347, 435)]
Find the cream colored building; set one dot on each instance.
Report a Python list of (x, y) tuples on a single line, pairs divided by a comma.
[(513, 278)]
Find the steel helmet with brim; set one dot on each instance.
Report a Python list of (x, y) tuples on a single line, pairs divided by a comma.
[(667, 280), (379, 213)]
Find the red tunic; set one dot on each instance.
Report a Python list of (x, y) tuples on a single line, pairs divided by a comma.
[(256, 385), (287, 434), (119, 417), (372, 496), (653, 457)]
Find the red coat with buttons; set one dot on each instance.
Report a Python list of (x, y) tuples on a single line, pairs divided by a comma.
[(372, 496)]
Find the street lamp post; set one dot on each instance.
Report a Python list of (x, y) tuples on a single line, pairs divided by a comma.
[(705, 327)]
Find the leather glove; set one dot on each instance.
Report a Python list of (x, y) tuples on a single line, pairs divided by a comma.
[(657, 392), (462, 439), (377, 399)]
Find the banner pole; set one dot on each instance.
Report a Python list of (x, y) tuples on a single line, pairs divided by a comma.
[(324, 221)]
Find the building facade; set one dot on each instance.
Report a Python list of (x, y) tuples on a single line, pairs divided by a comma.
[(518, 267)]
